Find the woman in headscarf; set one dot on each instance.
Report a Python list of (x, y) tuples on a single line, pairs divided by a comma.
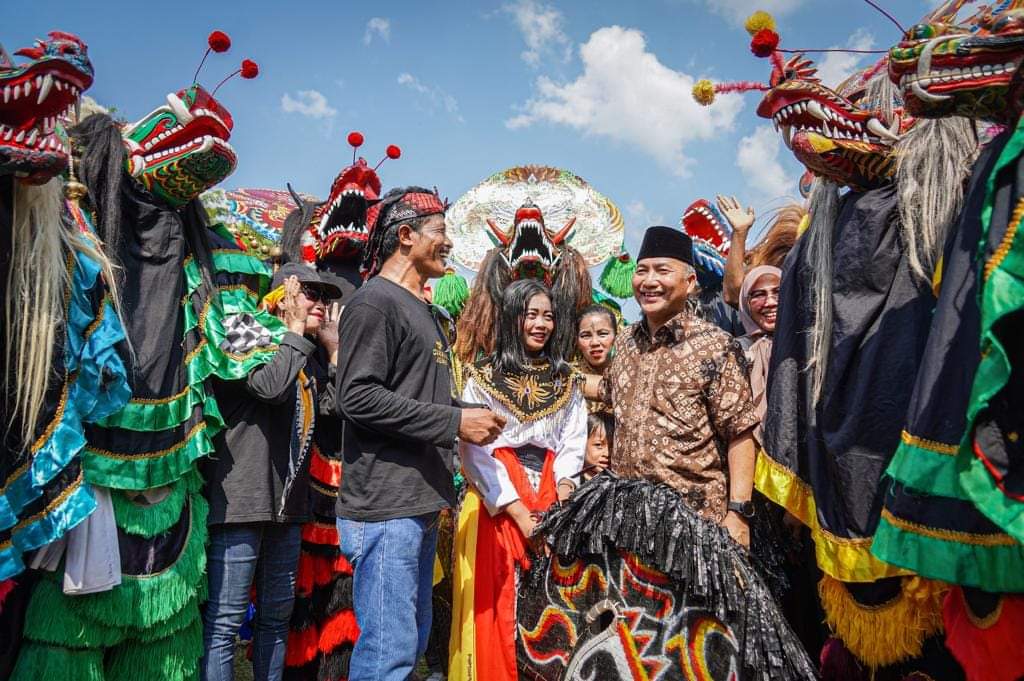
[(759, 306)]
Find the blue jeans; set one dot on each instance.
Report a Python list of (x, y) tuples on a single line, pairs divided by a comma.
[(393, 563), (238, 555)]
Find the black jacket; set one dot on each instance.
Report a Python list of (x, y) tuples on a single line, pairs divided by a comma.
[(245, 476)]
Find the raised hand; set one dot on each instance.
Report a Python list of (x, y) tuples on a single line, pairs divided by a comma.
[(740, 218), (292, 313)]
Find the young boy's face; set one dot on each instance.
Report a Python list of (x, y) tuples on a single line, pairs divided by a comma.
[(598, 449)]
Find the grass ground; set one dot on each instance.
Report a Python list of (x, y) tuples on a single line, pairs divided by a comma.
[(243, 668)]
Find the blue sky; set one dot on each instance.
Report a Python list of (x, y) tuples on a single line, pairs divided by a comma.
[(469, 88)]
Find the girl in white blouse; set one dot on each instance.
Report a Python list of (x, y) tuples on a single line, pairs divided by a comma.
[(533, 463)]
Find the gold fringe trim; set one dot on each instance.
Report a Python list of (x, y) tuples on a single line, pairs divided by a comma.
[(930, 445), (884, 634), (995, 539), (1004, 245), (844, 558)]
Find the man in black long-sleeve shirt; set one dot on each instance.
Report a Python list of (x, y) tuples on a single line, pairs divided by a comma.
[(394, 393)]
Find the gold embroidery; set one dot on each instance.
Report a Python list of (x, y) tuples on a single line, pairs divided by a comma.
[(558, 391), (89, 330), (528, 390), (930, 445), (439, 354)]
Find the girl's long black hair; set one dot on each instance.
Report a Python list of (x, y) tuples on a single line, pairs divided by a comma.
[(509, 354)]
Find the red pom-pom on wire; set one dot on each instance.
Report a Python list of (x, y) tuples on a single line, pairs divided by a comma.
[(250, 69), (219, 41), (355, 138), (393, 151), (764, 43)]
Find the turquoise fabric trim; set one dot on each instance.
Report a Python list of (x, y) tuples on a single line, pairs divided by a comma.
[(50, 527), (97, 384), (92, 388)]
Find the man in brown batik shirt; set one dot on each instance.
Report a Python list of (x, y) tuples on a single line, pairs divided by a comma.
[(682, 401)]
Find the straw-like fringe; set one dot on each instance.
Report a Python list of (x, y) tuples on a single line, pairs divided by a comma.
[(711, 570), (883, 635)]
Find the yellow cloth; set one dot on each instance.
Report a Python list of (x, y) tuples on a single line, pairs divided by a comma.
[(438, 570), (273, 298), (462, 645)]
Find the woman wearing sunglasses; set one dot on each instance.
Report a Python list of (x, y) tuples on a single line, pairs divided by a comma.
[(257, 480)]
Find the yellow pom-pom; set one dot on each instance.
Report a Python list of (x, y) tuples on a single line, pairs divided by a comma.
[(704, 92), (759, 20)]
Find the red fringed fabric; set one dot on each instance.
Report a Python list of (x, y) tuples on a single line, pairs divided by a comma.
[(304, 573), (342, 566), (989, 648), (318, 570), (322, 534), (301, 648), (338, 630), (325, 471)]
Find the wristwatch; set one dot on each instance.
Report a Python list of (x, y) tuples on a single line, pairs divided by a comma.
[(745, 509)]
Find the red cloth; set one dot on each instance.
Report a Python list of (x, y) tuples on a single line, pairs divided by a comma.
[(988, 649), (499, 546)]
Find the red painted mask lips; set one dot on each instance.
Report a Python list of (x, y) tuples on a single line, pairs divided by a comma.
[(702, 221), (34, 97), (341, 225)]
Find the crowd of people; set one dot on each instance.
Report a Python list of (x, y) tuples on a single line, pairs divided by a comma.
[(667, 399), (805, 448)]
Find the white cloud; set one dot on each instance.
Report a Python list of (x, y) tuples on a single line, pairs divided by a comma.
[(626, 94), (310, 103), (541, 26), (432, 97), (737, 11), (638, 218), (838, 66), (757, 156), (378, 26)]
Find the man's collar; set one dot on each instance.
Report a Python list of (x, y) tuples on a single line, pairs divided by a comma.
[(675, 328)]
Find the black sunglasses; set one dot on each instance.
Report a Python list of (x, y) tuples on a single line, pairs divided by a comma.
[(315, 295)]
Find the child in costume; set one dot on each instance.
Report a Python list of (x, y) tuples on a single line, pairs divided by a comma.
[(531, 465), (600, 443)]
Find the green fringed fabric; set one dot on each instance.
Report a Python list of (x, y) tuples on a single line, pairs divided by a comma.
[(40, 662), (146, 601), (149, 521), (451, 292), (179, 621), (52, 619), (171, 658), (159, 469), (617, 277)]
